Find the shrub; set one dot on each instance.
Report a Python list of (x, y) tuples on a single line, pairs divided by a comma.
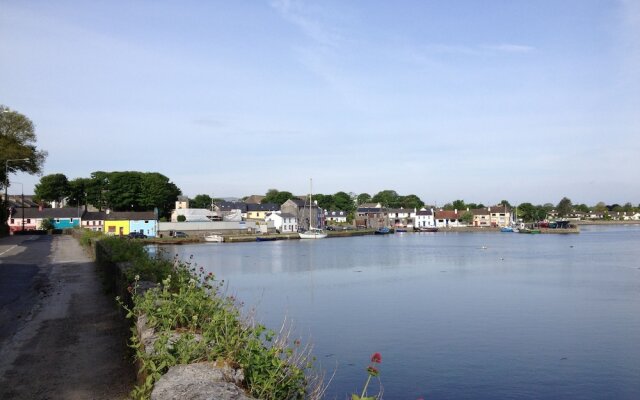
[(210, 327)]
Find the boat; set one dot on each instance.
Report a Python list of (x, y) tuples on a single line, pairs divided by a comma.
[(400, 230), (427, 229), (529, 230), (265, 239), (214, 238), (506, 229), (312, 233), (383, 230)]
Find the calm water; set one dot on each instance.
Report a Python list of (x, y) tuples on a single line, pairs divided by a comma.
[(455, 315)]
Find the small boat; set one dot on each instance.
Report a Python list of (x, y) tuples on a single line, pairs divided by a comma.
[(400, 230), (427, 229), (383, 230), (313, 233), (506, 229), (214, 238), (528, 230), (265, 239)]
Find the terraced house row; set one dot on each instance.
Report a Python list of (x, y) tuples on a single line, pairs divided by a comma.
[(113, 223)]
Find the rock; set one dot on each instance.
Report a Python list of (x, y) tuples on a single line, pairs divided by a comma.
[(200, 381)]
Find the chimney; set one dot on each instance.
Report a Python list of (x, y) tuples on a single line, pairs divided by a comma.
[(40, 207), (107, 211)]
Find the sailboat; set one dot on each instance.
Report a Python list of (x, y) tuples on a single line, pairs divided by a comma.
[(312, 233)]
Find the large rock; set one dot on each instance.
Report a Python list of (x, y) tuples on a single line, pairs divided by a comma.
[(200, 381)]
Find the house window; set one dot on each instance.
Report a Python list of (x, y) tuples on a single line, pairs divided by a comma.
[(13, 221), (28, 220), (146, 222)]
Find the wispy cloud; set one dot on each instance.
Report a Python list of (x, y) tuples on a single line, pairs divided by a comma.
[(509, 48), (299, 14), (477, 50)]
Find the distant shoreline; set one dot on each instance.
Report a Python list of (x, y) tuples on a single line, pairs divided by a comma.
[(610, 222)]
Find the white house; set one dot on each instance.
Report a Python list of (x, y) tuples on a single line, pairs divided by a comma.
[(448, 219), (335, 216), (283, 222), (424, 219)]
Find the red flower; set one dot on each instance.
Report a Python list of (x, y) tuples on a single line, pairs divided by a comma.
[(373, 371), (376, 358)]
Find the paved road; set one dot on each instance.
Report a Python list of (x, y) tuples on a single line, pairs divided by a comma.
[(60, 336)]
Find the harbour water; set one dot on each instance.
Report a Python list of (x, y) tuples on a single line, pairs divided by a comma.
[(454, 315)]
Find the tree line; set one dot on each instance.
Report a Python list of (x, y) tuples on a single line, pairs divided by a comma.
[(118, 191)]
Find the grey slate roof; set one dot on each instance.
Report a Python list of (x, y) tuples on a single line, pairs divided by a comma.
[(263, 207), (48, 213), (130, 216)]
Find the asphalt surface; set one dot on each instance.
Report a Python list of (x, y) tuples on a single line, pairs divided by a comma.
[(61, 336)]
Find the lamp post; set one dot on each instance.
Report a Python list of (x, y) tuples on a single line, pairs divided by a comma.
[(6, 180)]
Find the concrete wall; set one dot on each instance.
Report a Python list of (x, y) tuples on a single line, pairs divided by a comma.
[(202, 228)]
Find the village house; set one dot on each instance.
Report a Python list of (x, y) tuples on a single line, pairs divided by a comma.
[(401, 217), (304, 213), (371, 215), (61, 218), (448, 219), (260, 211), (283, 222), (424, 219), (339, 217), (94, 220), (123, 223)]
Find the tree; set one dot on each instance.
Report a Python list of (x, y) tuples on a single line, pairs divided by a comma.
[(324, 201), (458, 205), (582, 208), (505, 203), (527, 212), (411, 201), (467, 217), (157, 191), (201, 201), (77, 191), (181, 218), (54, 187), (363, 198), (97, 189), (564, 207), (343, 201), (600, 207), (387, 198), (18, 141), (627, 207), (276, 197)]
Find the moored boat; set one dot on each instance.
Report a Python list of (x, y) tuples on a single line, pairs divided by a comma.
[(265, 239), (214, 238), (383, 230)]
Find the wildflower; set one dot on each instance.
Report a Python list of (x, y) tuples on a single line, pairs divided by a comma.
[(130, 289), (376, 358), (117, 298), (137, 277)]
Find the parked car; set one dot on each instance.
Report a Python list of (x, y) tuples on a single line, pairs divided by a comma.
[(137, 235), (180, 234), (331, 228)]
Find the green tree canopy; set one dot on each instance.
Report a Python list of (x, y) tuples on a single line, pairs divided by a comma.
[(583, 208), (467, 217), (564, 207), (411, 201), (387, 198), (343, 201), (459, 205), (77, 191), (53, 187), (277, 197), (18, 141), (505, 203), (201, 201), (363, 198)]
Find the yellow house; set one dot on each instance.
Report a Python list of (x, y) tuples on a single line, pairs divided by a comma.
[(260, 211), (116, 224)]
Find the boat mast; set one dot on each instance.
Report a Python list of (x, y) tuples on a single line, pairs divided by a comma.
[(310, 203)]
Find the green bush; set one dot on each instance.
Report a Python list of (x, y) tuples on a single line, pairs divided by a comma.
[(211, 329)]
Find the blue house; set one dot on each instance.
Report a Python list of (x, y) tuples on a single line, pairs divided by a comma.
[(144, 222)]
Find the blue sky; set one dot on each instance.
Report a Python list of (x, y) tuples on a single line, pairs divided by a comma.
[(481, 101)]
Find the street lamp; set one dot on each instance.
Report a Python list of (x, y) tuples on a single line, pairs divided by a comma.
[(6, 180)]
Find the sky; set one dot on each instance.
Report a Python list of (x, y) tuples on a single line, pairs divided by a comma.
[(527, 101)]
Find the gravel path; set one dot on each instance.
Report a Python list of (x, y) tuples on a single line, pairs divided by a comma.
[(62, 336)]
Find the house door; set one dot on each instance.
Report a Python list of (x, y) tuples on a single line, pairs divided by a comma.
[(121, 231)]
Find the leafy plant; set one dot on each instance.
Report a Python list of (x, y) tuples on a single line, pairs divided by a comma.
[(195, 322)]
